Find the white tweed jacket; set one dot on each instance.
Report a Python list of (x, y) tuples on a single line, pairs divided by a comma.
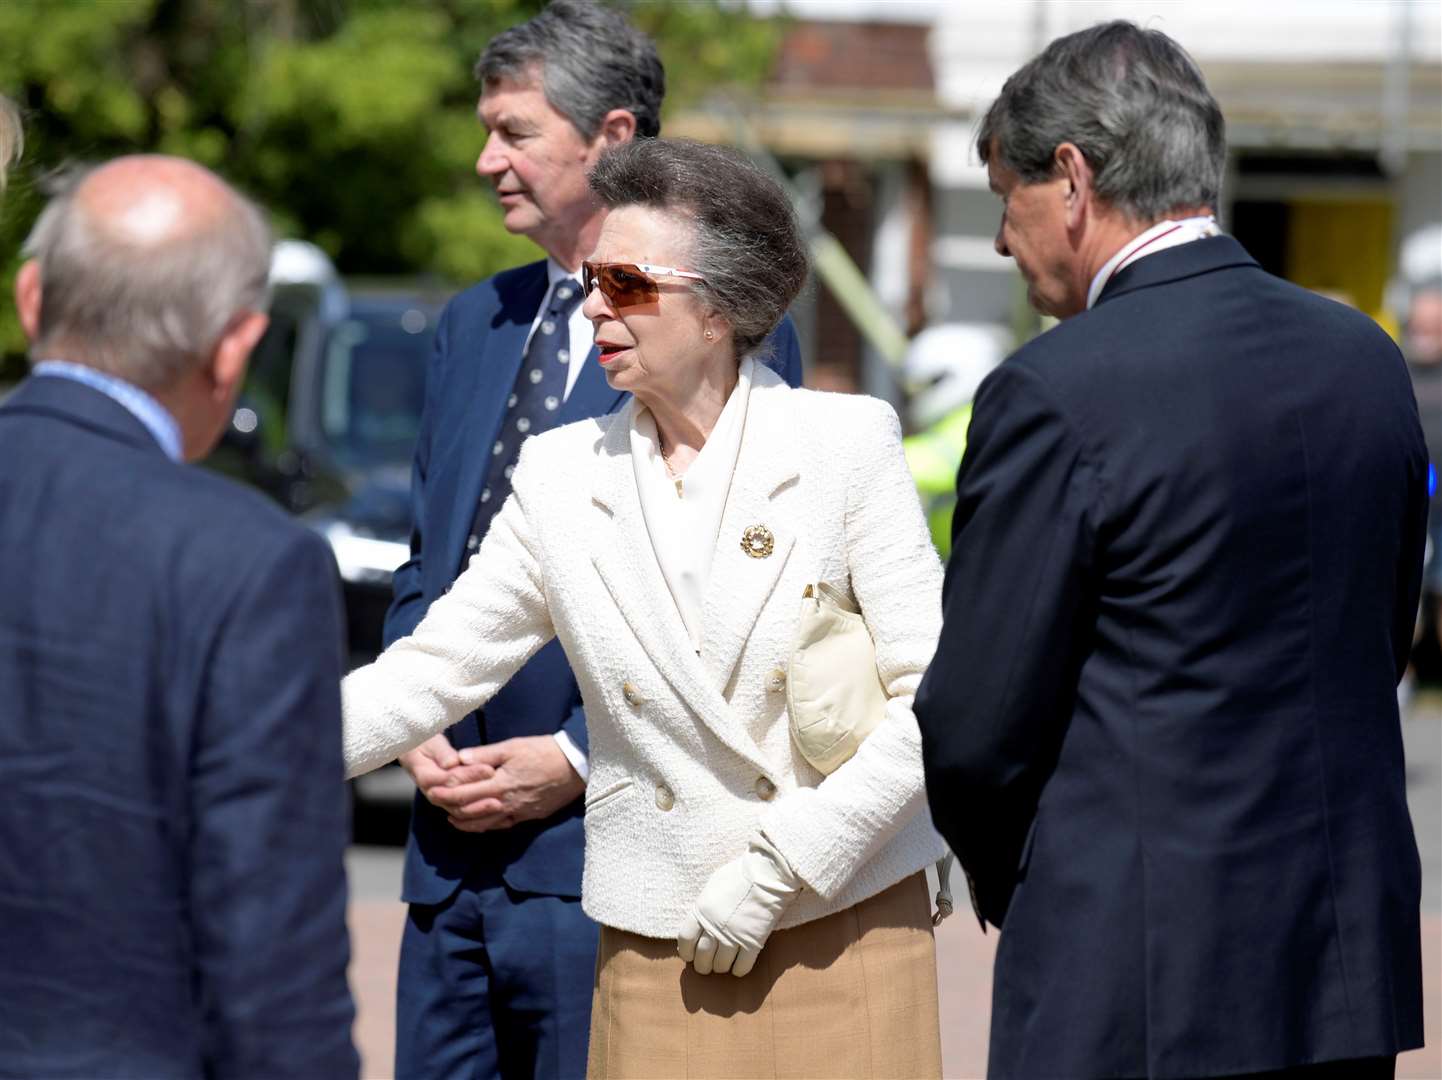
[(691, 754)]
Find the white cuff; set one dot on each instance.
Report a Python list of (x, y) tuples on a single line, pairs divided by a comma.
[(573, 755)]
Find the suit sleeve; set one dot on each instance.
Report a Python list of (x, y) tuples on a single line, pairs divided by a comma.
[(995, 702), (407, 584), (828, 832), (1410, 569), (785, 355), (471, 641), (1411, 564), (574, 725), (270, 825)]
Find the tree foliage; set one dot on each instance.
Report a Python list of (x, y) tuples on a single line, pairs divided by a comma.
[(352, 121)]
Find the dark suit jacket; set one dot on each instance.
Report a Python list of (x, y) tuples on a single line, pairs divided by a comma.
[(479, 342), (1161, 728), (172, 811)]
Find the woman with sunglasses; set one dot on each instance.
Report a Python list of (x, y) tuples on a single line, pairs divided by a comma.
[(757, 917)]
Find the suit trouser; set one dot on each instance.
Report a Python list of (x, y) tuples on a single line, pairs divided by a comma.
[(494, 983)]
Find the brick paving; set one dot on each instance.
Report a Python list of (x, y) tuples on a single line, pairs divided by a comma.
[(964, 976), (964, 954), (375, 935)]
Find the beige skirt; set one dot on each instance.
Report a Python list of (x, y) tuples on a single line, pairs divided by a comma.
[(849, 995)]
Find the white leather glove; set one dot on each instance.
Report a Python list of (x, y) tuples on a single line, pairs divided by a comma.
[(737, 910)]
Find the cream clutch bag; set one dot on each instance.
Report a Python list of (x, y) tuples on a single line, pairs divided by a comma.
[(834, 695), (833, 692)]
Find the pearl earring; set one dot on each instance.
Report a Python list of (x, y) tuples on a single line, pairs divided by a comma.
[(709, 335)]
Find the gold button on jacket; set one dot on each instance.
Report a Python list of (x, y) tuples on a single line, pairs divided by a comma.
[(765, 789), (665, 798)]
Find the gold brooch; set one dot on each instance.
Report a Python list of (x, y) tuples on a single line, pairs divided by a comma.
[(758, 542)]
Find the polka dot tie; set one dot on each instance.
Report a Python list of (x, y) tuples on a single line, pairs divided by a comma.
[(534, 404)]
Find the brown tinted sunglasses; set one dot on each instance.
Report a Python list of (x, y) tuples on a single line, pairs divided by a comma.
[(628, 285)]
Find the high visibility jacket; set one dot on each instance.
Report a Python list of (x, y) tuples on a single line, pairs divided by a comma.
[(934, 456)]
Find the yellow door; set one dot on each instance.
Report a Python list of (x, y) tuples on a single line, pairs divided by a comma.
[(1342, 247)]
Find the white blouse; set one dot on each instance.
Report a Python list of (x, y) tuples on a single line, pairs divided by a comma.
[(684, 519)]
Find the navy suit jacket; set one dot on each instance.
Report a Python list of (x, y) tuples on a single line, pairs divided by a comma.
[(1161, 728), (478, 351), (172, 805)]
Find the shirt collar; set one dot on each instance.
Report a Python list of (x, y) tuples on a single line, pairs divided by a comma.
[(153, 415), (710, 474), (1167, 233), (556, 273)]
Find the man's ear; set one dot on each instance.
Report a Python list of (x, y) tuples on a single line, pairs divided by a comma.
[(618, 126), (1071, 166), (232, 353), (27, 298)]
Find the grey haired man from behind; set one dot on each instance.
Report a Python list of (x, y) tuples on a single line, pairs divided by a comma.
[(1160, 730), (172, 816)]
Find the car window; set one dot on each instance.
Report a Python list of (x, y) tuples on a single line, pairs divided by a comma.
[(373, 387), (268, 381)]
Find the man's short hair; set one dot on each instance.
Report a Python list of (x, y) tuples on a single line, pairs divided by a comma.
[(145, 315), (591, 60), (12, 139), (1136, 106)]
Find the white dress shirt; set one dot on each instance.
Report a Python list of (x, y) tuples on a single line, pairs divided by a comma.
[(683, 517)]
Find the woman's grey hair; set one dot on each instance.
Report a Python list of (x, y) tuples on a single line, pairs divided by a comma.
[(1136, 106), (145, 313), (747, 242), (12, 137), (591, 59)]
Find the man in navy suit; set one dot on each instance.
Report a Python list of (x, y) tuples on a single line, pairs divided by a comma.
[(1161, 728), (496, 958), (172, 818)]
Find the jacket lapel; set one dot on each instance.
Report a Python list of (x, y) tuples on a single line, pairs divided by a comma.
[(624, 557), (741, 583), (481, 401)]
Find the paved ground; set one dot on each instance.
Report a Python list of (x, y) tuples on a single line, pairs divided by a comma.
[(964, 954)]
